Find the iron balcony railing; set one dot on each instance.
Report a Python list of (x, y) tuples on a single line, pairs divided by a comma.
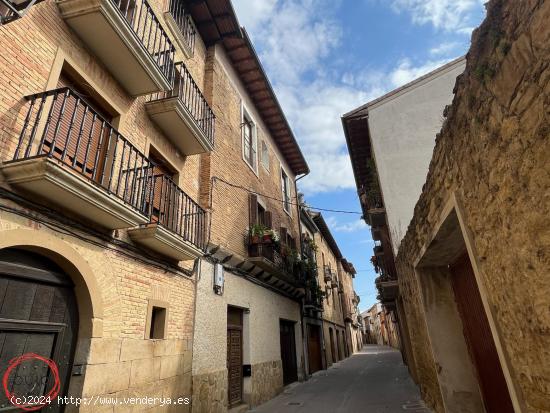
[(327, 273), (374, 200), (13, 10), (184, 22), (171, 207), (60, 124), (187, 91), (146, 26)]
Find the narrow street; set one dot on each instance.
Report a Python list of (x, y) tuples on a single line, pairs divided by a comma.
[(372, 381)]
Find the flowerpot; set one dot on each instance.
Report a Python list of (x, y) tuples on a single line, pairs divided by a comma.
[(267, 239), (254, 239)]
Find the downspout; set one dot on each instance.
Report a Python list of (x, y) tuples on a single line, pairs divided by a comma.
[(304, 338)]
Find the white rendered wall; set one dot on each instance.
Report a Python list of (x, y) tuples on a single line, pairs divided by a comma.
[(403, 128), (261, 332)]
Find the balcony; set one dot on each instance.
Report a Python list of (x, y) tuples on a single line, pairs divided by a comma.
[(70, 156), (181, 25), (183, 114), (177, 225), (128, 39), (11, 10), (266, 256), (376, 212), (388, 289), (327, 274)]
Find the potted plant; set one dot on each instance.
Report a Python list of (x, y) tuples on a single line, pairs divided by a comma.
[(256, 233)]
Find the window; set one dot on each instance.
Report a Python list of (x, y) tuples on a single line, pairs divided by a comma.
[(285, 184), (249, 141), (157, 320), (265, 155)]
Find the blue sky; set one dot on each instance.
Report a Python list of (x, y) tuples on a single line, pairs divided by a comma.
[(324, 58)]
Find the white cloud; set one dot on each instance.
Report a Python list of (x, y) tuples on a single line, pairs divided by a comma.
[(406, 71), (447, 15), (295, 40), (350, 226), (444, 49)]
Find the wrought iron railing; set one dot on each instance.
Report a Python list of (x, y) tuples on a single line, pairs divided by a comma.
[(145, 24), (61, 125), (374, 200), (13, 10), (327, 273), (184, 22), (168, 205), (187, 91)]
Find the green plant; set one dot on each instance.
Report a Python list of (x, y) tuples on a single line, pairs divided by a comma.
[(257, 230)]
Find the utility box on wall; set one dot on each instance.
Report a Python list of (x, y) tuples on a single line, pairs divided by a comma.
[(218, 279)]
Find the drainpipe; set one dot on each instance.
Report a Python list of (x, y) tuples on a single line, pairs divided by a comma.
[(304, 338)]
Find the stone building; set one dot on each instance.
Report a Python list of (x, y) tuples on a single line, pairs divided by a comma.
[(330, 282), (471, 272), (248, 328), (390, 142), (332, 325), (350, 303), (103, 122)]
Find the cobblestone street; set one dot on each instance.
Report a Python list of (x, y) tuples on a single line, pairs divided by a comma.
[(372, 381)]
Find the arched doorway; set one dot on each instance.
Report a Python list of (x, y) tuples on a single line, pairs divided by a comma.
[(38, 314)]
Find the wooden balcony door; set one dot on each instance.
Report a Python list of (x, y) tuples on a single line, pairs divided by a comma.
[(235, 355), (79, 130), (479, 339), (288, 352), (38, 314)]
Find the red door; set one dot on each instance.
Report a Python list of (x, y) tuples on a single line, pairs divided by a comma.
[(478, 337)]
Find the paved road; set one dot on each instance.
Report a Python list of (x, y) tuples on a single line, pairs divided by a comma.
[(372, 381)]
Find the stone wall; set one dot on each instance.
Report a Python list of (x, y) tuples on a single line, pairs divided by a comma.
[(492, 156), (210, 392), (266, 381)]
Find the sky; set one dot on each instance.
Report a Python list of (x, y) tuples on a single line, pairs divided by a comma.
[(327, 57)]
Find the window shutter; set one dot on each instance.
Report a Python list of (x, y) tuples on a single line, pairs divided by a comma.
[(253, 209), (268, 219), (283, 235)]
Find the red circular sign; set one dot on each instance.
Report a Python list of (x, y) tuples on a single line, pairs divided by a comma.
[(52, 394)]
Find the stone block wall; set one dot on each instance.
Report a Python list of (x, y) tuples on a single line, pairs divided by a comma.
[(492, 156)]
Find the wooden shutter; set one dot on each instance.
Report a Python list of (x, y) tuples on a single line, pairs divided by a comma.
[(284, 238), (253, 209), (79, 147), (268, 218)]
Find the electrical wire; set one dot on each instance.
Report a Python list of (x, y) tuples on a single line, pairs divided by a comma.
[(217, 178)]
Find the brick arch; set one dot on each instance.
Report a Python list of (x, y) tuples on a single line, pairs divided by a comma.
[(88, 296)]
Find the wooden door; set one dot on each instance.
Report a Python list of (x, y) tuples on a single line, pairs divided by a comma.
[(235, 355), (479, 339), (288, 352), (314, 348), (38, 314), (332, 345)]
